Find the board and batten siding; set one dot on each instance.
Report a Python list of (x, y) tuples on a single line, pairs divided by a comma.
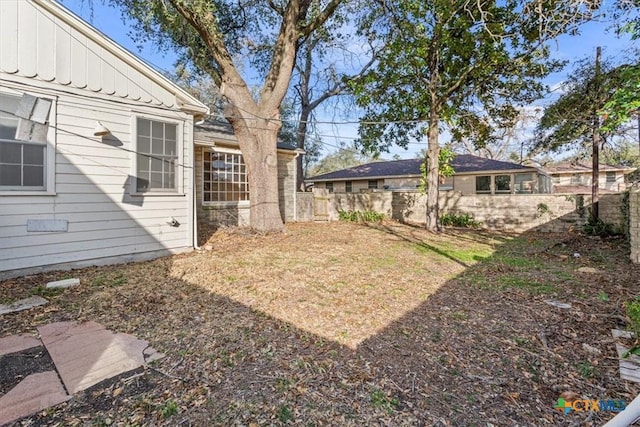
[(36, 43), (48, 54)]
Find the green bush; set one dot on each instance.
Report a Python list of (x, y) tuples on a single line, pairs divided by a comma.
[(632, 309), (462, 220), (360, 216), (597, 227)]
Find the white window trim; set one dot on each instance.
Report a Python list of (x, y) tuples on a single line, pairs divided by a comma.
[(50, 152), (228, 204), (133, 189)]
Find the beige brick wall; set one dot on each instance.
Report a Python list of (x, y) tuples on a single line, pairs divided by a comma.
[(543, 212), (634, 226), (287, 185)]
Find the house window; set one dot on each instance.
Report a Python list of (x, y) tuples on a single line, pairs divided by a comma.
[(372, 184), (611, 177), (224, 177), (329, 186), (23, 143), (157, 156), (576, 179), (555, 179), (503, 184), (483, 184), (348, 186), (524, 183)]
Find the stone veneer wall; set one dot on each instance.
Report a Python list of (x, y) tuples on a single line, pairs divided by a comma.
[(634, 224), (544, 212)]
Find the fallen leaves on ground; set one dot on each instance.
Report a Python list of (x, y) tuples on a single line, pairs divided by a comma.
[(348, 324)]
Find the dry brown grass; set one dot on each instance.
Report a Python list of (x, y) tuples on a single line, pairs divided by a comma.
[(347, 324)]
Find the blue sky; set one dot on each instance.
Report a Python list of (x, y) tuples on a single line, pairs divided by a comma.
[(108, 20)]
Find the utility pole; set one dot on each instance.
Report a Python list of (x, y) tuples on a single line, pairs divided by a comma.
[(595, 173)]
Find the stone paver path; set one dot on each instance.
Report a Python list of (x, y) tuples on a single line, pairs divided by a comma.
[(84, 355)]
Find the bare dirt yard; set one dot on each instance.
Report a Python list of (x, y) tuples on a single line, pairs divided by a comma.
[(348, 324)]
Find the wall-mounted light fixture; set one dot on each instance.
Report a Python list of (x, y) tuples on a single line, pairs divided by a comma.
[(100, 130)]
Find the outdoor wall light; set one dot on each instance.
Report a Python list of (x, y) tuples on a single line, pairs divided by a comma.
[(100, 130)]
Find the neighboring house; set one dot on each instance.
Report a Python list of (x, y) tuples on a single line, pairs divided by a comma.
[(473, 175), (96, 147), (577, 177), (222, 188)]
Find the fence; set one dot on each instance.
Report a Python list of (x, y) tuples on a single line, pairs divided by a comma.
[(543, 212)]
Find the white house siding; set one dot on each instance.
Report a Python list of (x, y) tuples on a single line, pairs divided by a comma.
[(92, 174), (38, 44), (92, 186)]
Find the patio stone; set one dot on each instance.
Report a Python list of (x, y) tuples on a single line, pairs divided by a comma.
[(66, 283), (86, 354), (33, 394), (23, 304), (16, 343)]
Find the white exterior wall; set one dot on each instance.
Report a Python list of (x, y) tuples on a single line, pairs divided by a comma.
[(92, 175)]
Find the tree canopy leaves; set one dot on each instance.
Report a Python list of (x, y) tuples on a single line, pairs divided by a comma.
[(614, 96)]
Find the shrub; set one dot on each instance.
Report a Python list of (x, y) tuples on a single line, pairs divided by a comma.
[(597, 227), (462, 220), (632, 309), (360, 216)]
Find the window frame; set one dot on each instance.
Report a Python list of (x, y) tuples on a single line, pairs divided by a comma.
[(495, 184), (49, 163), (225, 203), (576, 179), (489, 191), (370, 185), (179, 169), (329, 186), (517, 186), (348, 186), (610, 177)]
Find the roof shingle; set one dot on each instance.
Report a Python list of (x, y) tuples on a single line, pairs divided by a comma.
[(461, 163)]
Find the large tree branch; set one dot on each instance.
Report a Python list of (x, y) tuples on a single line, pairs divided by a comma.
[(321, 18), (204, 23)]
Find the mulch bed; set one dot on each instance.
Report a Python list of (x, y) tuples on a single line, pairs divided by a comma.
[(348, 324)]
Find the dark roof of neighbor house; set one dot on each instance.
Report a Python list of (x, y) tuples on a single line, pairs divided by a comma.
[(583, 167), (224, 130), (461, 163)]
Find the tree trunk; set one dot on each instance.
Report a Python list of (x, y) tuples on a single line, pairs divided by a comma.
[(258, 145), (433, 152), (595, 160)]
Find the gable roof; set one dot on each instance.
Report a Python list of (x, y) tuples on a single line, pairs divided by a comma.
[(461, 163), (66, 50)]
